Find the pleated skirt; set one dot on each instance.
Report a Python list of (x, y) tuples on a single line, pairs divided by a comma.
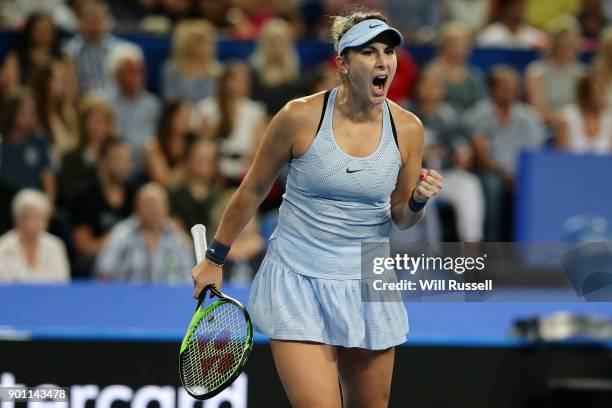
[(287, 305)]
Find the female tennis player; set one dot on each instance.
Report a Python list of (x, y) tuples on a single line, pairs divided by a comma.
[(355, 167)]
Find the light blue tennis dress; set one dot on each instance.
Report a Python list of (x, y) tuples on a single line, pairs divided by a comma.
[(308, 286)]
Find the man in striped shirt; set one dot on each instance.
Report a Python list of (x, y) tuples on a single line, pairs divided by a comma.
[(90, 47)]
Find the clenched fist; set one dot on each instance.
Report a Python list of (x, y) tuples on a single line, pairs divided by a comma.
[(429, 185)]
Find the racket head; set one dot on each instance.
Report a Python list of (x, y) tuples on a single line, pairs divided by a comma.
[(216, 347)]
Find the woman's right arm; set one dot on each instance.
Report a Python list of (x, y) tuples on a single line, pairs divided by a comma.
[(561, 139), (275, 150), (9, 73), (158, 168), (536, 93)]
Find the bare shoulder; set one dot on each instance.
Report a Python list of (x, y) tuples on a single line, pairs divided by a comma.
[(408, 125), (297, 122), (307, 108)]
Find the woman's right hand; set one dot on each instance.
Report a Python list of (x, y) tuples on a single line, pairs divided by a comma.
[(205, 273)]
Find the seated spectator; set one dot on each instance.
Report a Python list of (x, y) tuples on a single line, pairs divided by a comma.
[(242, 263), (24, 155), (443, 133), (276, 66), (320, 78), (440, 120), (509, 29), (29, 253), (234, 120), (129, 14), (55, 108), (587, 125), (192, 200), (37, 45), (405, 77), (176, 10), (78, 165), (418, 19), (464, 192), (603, 62), (502, 126), (593, 22), (218, 12), (136, 110), (16, 12), (88, 50), (147, 246), (192, 70), (164, 156), (249, 17), (216, 212), (101, 204), (472, 13), (464, 83), (551, 82)]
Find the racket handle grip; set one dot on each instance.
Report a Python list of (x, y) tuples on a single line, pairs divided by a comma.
[(198, 232)]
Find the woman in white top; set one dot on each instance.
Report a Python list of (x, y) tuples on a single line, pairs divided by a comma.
[(472, 13), (603, 62), (509, 29), (28, 253), (192, 70), (587, 124), (464, 84), (55, 98), (275, 66), (232, 119), (551, 81)]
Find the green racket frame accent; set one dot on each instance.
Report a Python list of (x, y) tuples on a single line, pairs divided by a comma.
[(197, 318), (198, 233)]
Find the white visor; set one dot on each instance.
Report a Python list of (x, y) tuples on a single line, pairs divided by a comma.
[(363, 32)]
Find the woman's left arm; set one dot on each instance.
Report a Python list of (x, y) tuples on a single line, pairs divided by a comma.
[(415, 185), (49, 185)]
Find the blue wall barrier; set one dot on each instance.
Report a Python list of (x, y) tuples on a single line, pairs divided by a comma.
[(563, 197), (115, 311)]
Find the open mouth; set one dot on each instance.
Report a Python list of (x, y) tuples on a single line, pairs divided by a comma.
[(378, 85)]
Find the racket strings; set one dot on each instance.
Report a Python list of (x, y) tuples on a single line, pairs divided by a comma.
[(215, 348)]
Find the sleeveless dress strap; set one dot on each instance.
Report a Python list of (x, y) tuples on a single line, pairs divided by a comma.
[(325, 99), (392, 124)]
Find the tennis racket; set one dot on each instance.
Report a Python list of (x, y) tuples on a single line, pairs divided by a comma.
[(218, 341)]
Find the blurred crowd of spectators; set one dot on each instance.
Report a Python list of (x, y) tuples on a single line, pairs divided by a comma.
[(118, 174)]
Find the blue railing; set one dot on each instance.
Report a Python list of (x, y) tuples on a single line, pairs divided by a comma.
[(114, 311)]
